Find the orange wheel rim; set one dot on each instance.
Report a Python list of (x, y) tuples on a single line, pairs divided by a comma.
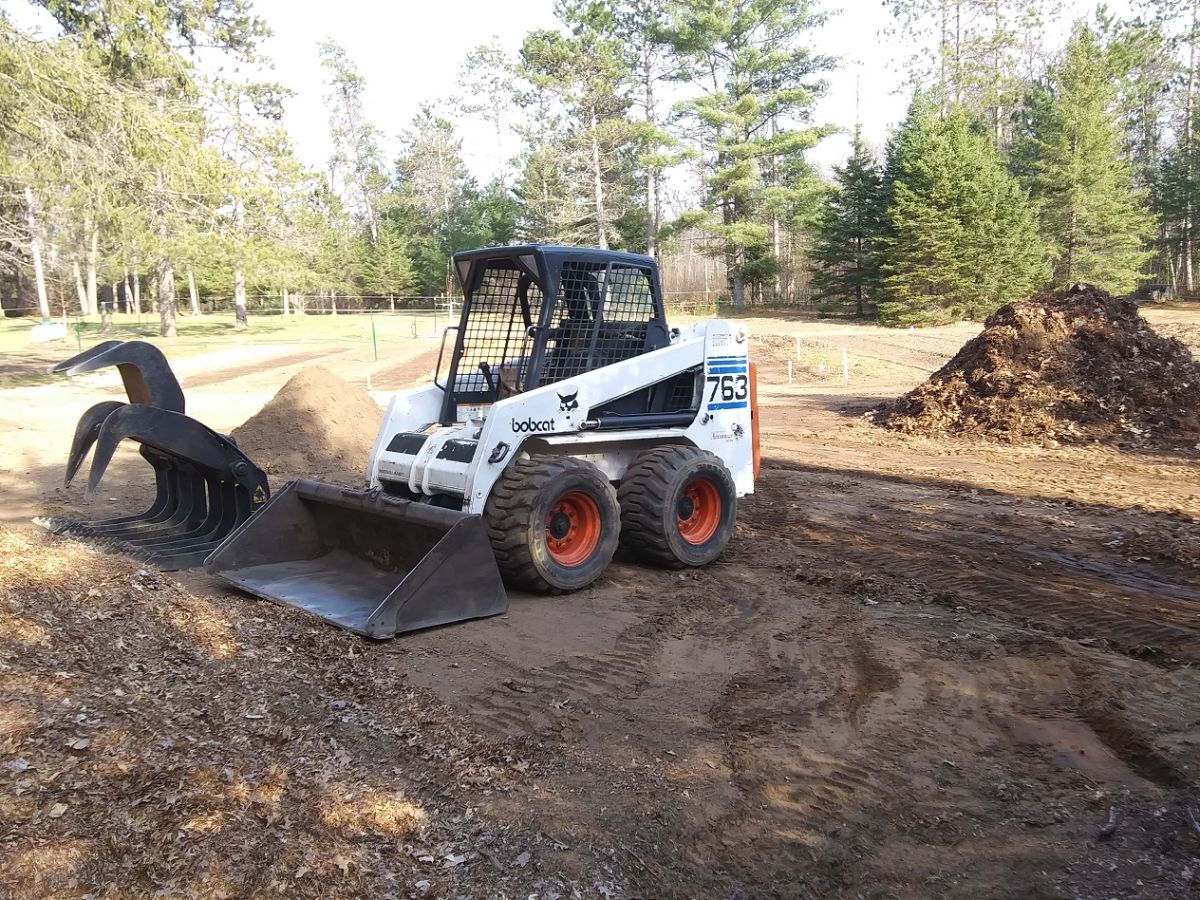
[(698, 511), (573, 528)]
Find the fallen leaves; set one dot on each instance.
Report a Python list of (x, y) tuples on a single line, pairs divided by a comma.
[(134, 726)]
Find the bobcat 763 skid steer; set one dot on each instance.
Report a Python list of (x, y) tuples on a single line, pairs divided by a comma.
[(566, 419)]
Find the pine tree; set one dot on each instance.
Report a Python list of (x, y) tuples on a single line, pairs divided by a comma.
[(587, 74), (1176, 195), (1094, 223), (356, 166), (961, 237), (974, 53), (845, 253), (760, 79), (388, 270)]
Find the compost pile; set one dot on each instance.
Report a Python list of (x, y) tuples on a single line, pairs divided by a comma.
[(317, 425), (1080, 366)]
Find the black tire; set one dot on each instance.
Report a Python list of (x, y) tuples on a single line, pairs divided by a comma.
[(659, 487), (535, 495)]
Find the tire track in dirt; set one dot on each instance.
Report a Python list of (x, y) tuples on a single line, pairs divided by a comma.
[(537, 702), (793, 729), (967, 554)]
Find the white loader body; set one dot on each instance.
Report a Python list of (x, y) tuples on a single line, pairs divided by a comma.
[(464, 460)]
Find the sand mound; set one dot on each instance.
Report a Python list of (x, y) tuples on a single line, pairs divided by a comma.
[(317, 425), (1079, 366)]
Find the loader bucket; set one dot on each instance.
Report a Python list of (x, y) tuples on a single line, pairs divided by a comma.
[(366, 562)]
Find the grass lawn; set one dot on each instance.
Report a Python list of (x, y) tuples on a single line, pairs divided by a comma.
[(200, 333)]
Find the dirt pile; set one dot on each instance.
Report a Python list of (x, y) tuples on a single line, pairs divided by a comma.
[(1080, 366), (317, 425)]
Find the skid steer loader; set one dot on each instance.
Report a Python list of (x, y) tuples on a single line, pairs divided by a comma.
[(567, 418)]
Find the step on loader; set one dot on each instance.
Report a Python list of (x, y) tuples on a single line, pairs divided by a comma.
[(204, 486), (567, 419)]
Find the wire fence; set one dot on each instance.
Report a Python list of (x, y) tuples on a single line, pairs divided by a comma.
[(384, 339), (826, 362), (434, 313)]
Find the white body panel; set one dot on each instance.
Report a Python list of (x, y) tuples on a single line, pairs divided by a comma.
[(549, 419)]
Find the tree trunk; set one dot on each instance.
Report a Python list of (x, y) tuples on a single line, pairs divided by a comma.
[(392, 302), (652, 206), (93, 239), (735, 276), (106, 311), (737, 287), (287, 311), (598, 187), (652, 210), (707, 275), (35, 250), (193, 297), (239, 298), (166, 298), (137, 292), (774, 215), (1190, 141), (333, 303), (80, 290), (545, 205), (958, 64)]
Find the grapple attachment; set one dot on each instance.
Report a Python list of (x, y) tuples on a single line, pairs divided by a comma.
[(204, 486), (369, 563)]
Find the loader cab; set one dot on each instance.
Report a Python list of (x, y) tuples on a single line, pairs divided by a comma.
[(537, 314)]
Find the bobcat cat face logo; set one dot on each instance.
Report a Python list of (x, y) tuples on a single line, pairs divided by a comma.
[(568, 402)]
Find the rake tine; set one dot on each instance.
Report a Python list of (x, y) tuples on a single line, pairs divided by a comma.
[(144, 370), (85, 435), (213, 514), (189, 507), (166, 499), (214, 485), (96, 350)]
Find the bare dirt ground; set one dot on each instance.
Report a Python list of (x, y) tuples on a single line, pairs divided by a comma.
[(925, 668)]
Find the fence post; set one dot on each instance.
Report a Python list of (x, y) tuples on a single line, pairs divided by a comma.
[(374, 342)]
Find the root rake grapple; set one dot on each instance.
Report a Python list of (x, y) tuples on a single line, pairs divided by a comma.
[(204, 486)]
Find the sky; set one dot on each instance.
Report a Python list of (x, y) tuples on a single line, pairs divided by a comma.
[(410, 52)]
